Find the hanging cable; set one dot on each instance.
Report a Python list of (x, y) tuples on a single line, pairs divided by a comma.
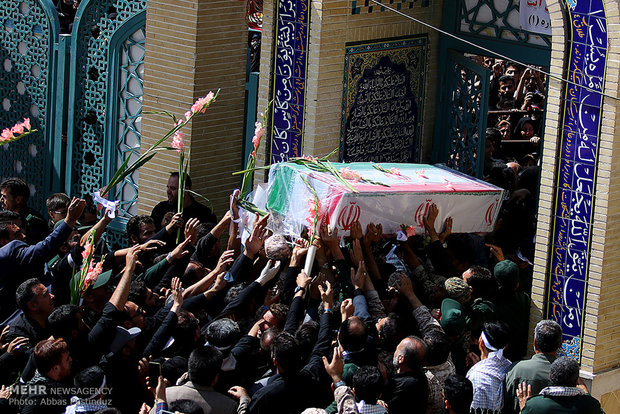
[(559, 78)]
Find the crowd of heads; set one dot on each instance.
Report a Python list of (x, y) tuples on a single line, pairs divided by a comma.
[(406, 321)]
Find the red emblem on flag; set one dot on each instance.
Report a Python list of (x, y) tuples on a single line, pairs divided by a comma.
[(490, 214), (349, 215), (422, 211)]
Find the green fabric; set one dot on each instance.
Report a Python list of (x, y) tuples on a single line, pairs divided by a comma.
[(580, 404), (481, 311), (515, 311), (152, 272), (534, 371), (347, 377)]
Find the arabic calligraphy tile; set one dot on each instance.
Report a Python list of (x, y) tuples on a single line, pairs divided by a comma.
[(571, 321), (588, 119), (580, 213), (598, 32), (299, 94), (570, 139), (576, 267), (560, 241), (587, 94), (571, 347), (562, 207), (299, 66), (594, 61), (585, 149), (556, 287), (566, 174), (579, 25), (301, 36), (297, 119), (287, 10), (302, 11), (281, 119), (286, 35)]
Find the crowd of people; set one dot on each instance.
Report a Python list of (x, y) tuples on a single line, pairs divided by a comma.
[(204, 324), (516, 105)]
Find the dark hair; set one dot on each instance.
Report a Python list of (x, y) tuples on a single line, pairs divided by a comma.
[(185, 331), (564, 372), (507, 78), (137, 292), (204, 364), (173, 368), (459, 392), (48, 353), (285, 350), (8, 216), (482, 282), (133, 224), (390, 332), (223, 333), (17, 187), (25, 293), (438, 347), (497, 333), (306, 336), (90, 379), (279, 311), (548, 336), (368, 384), (353, 334), (185, 406), (62, 320), (233, 292), (494, 135), (4, 228), (188, 179), (57, 201)]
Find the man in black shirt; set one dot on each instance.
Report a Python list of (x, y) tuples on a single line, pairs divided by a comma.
[(191, 208)]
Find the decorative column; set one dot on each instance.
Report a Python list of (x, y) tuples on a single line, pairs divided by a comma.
[(577, 261)]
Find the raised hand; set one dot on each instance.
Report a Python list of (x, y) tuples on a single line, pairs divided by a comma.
[(356, 230), (74, 211), (191, 230), (254, 243), (335, 368)]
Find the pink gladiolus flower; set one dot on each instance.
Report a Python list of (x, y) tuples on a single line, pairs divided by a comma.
[(26, 123), (394, 171), (255, 141), (18, 129), (349, 174), (314, 209), (188, 115), (201, 103), (7, 135), (259, 131), (91, 276), (410, 230), (253, 154), (87, 249), (178, 141)]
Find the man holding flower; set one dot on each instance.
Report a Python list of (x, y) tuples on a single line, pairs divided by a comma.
[(191, 208)]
